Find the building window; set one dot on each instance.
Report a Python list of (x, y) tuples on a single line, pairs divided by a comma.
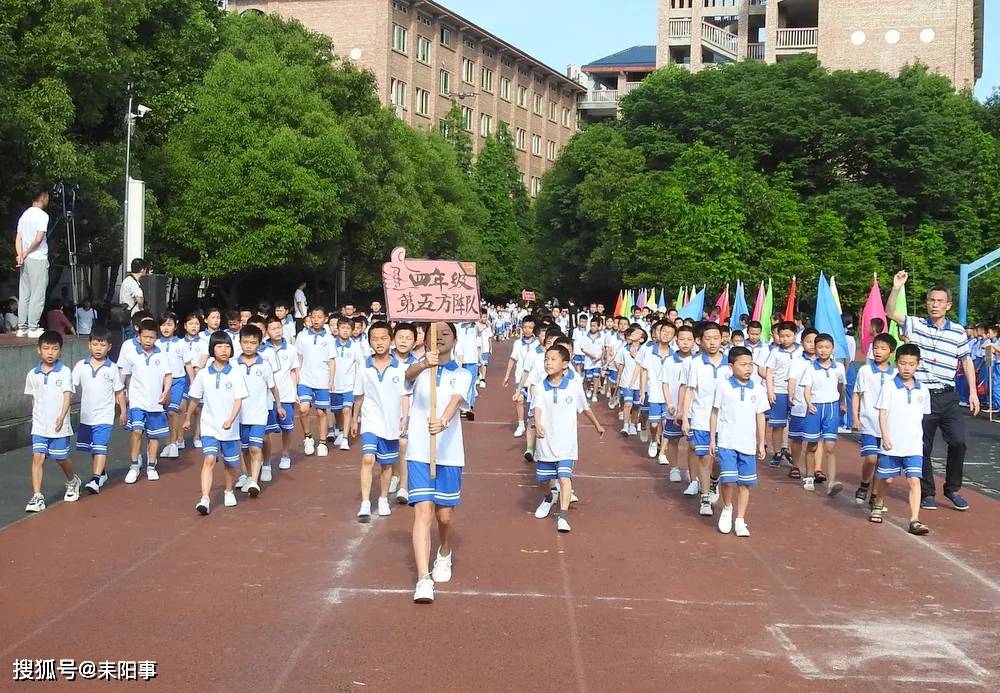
[(506, 62), (505, 89), (423, 102), (488, 53), (423, 49), (522, 97), (467, 118), (399, 38), (538, 104), (468, 71), (446, 36), (469, 43), (401, 7), (551, 147), (426, 21), (536, 145), (485, 125), (553, 111), (443, 127), (487, 80), (536, 186), (397, 92), (521, 176), (565, 117), (520, 140), (444, 82)]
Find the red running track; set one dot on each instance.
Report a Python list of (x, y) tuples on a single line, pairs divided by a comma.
[(289, 593)]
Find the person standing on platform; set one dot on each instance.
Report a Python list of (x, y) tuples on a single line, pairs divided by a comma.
[(32, 252), (300, 308)]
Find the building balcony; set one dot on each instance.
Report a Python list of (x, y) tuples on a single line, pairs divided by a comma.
[(604, 99), (679, 30), (805, 38), (755, 51)]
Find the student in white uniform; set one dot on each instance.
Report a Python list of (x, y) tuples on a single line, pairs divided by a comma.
[(435, 498), (100, 385), (220, 389), (148, 376), (175, 349), (317, 369), (514, 367), (672, 378), (872, 377), (195, 357), (261, 393), (284, 360), (799, 378), (350, 357)]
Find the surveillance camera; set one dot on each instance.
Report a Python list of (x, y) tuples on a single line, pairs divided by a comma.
[(143, 110)]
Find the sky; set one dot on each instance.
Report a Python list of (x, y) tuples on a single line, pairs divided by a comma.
[(564, 32)]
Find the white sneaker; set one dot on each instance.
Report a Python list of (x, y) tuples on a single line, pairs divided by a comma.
[(593, 397), (72, 490), (204, 506), (93, 487), (36, 504), (393, 484), (692, 488), (180, 444), (365, 512), (242, 482), (621, 416), (662, 459), (35, 333), (713, 495), (151, 473), (675, 475), (21, 333), (653, 449), (424, 593), (644, 436), (344, 445), (265, 473), (705, 506), (229, 499), (308, 445), (626, 431), (402, 497), (518, 432), (133, 474), (543, 509), (741, 528), (104, 479), (252, 488), (196, 442), (808, 484), (169, 451), (285, 463), (562, 524), (383, 507), (572, 498), (726, 520), (441, 572), (322, 450)]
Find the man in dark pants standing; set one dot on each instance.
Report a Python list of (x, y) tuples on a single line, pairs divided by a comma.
[(944, 349)]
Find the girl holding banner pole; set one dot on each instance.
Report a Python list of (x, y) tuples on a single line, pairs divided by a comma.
[(435, 455)]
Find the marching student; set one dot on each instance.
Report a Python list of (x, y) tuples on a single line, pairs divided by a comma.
[(578, 336), (533, 362), (148, 376), (259, 378), (221, 390), (674, 370), (284, 360), (381, 411), (558, 399), (435, 498), (50, 386), (872, 377), (902, 405), (283, 312), (591, 346), (234, 322), (777, 365), (467, 352), (655, 365), (404, 338), (485, 349), (822, 422), (175, 349), (631, 378), (100, 385), (213, 322), (317, 369), (800, 376), (350, 357), (736, 432), (195, 345), (514, 365), (704, 374)]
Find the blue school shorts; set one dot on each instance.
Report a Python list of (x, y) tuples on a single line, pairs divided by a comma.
[(547, 471), (823, 424), (228, 451), (737, 468), (890, 466), (52, 448), (700, 440), (657, 411), (251, 436), (445, 490), (778, 416), (630, 396), (341, 400), (591, 373), (313, 396), (671, 429), (644, 407), (94, 439), (178, 392), (484, 359), (612, 376), (578, 359), (274, 424), (154, 423), (870, 445), (386, 452), (795, 424)]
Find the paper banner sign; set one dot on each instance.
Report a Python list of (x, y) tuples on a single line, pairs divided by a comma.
[(428, 290), (527, 295)]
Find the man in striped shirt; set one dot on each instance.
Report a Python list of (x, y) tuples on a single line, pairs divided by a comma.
[(944, 348)]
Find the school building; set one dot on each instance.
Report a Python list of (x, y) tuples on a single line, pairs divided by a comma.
[(425, 58), (945, 35)]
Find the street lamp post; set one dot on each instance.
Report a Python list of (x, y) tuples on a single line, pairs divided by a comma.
[(130, 118)]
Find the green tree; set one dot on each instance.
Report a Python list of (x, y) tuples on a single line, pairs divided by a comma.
[(455, 130)]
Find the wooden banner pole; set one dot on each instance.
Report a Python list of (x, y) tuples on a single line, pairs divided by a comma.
[(434, 399)]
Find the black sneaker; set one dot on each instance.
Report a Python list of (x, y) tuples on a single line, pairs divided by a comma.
[(775, 460), (861, 495), (470, 415), (786, 454), (529, 456)]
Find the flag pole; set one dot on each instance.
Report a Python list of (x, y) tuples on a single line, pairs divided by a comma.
[(434, 399)]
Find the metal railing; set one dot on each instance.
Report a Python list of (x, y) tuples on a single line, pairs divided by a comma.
[(755, 51), (797, 38)]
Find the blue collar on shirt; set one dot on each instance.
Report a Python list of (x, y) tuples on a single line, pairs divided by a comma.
[(56, 367), (877, 370), (315, 333), (214, 371), (736, 383), (539, 349), (284, 345), (370, 363), (173, 339), (900, 385), (442, 367), (826, 369), (526, 342), (257, 361), (107, 363), (342, 345), (554, 389), (197, 338)]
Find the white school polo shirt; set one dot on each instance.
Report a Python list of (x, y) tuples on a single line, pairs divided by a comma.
[(905, 411), (284, 359), (315, 349), (196, 350), (801, 372), (738, 406), (780, 361), (384, 392), (485, 340), (533, 362), (869, 385), (556, 408), (520, 350), (704, 377), (259, 380), (628, 377), (97, 388), (47, 391), (654, 362), (591, 346), (175, 351), (218, 390), (350, 357), (288, 329), (825, 381), (672, 375), (146, 371), (234, 337), (451, 380), (467, 344)]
